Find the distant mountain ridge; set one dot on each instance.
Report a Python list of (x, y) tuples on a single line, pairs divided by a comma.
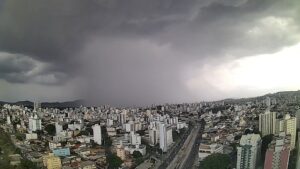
[(277, 95), (68, 104), (78, 103)]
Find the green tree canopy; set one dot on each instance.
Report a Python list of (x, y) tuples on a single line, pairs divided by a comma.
[(266, 140), (20, 136), (27, 164), (89, 130), (84, 132), (137, 154), (215, 161), (50, 128), (114, 162), (138, 157)]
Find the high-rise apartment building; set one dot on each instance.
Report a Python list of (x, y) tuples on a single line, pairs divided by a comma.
[(135, 139), (123, 117), (268, 102), (36, 106), (289, 126), (8, 121), (298, 156), (277, 155), (165, 137), (298, 119), (267, 123), (35, 123), (97, 134), (279, 126), (153, 136), (248, 153), (58, 128)]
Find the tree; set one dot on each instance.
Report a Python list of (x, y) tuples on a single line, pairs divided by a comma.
[(20, 136), (65, 126), (114, 162), (266, 140), (160, 151), (175, 135), (182, 130), (18, 151), (106, 140), (137, 154), (237, 137), (293, 159), (216, 161), (248, 131), (138, 157), (84, 132), (234, 146), (27, 164), (89, 130), (15, 122), (50, 128)]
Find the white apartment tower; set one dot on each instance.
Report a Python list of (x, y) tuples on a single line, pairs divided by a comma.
[(135, 139), (154, 136), (8, 121), (58, 128), (97, 134), (123, 117), (165, 137), (35, 123), (248, 153), (36, 106), (267, 123), (268, 102), (289, 126)]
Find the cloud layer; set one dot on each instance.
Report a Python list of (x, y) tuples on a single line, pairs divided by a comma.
[(136, 52)]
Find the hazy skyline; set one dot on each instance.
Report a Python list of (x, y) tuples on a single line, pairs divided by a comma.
[(138, 52)]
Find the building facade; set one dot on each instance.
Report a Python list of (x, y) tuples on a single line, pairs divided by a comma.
[(289, 126), (35, 123), (277, 155), (267, 123), (52, 162), (208, 149), (97, 134), (153, 136), (298, 119), (248, 153), (165, 137)]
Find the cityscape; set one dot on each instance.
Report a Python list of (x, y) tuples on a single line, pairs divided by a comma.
[(149, 84), (249, 133)]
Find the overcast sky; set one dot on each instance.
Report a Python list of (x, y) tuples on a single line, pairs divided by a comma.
[(138, 52)]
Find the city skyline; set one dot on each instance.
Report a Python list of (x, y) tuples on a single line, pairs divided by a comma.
[(147, 52), (78, 102)]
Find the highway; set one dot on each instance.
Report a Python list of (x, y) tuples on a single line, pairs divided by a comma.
[(190, 158), (168, 157), (185, 157)]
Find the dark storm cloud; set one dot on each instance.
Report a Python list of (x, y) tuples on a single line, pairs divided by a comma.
[(16, 68), (15, 64), (219, 29), (134, 51)]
